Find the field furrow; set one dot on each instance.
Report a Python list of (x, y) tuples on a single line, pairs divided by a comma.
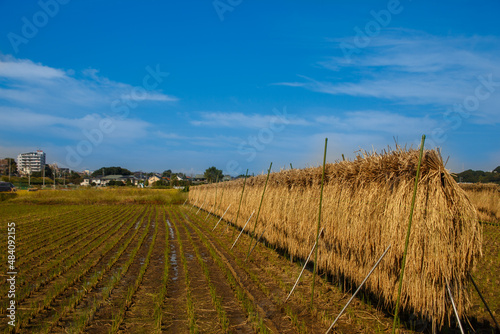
[(54, 300)]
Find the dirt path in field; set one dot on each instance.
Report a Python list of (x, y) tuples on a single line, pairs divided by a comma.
[(268, 278), (237, 317), (49, 260), (105, 315), (175, 314), (204, 312), (139, 317), (58, 305), (271, 313)]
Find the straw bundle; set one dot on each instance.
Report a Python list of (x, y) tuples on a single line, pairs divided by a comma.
[(366, 206)]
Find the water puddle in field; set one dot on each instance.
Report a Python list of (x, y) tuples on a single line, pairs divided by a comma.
[(173, 254), (172, 235), (173, 263)]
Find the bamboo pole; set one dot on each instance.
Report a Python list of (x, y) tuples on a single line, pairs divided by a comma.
[(484, 301), (215, 202), (319, 223), (185, 201), (408, 235), (359, 288), (303, 268), (204, 201), (239, 235), (221, 217), (248, 255), (239, 206), (221, 197), (258, 212)]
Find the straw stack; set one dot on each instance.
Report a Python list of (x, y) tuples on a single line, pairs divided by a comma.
[(366, 206)]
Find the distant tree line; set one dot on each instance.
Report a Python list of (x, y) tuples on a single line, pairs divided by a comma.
[(105, 171), (474, 176)]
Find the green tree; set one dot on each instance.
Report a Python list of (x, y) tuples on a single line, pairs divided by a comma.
[(212, 174), (111, 171), (75, 178), (167, 173), (497, 170)]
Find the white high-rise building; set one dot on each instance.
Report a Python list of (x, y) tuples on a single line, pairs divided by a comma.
[(31, 162)]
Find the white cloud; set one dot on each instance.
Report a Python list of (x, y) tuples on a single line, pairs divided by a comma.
[(415, 68), (241, 120), (24, 83), (378, 121), (27, 70), (24, 121)]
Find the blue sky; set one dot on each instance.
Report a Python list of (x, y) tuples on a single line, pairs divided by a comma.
[(155, 85)]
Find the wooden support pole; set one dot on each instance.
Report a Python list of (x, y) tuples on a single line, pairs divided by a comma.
[(319, 223), (401, 275)]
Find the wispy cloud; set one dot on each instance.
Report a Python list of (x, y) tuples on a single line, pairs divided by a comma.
[(378, 121), (24, 83), (413, 68), (241, 120), (23, 121)]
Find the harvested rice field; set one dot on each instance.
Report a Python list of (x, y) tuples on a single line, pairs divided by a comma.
[(158, 266)]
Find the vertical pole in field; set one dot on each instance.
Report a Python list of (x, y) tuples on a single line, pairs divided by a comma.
[(216, 186), (221, 197), (291, 167), (215, 201), (319, 223), (204, 201), (408, 235), (258, 212), (239, 206)]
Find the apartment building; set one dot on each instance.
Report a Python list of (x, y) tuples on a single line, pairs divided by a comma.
[(31, 162)]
